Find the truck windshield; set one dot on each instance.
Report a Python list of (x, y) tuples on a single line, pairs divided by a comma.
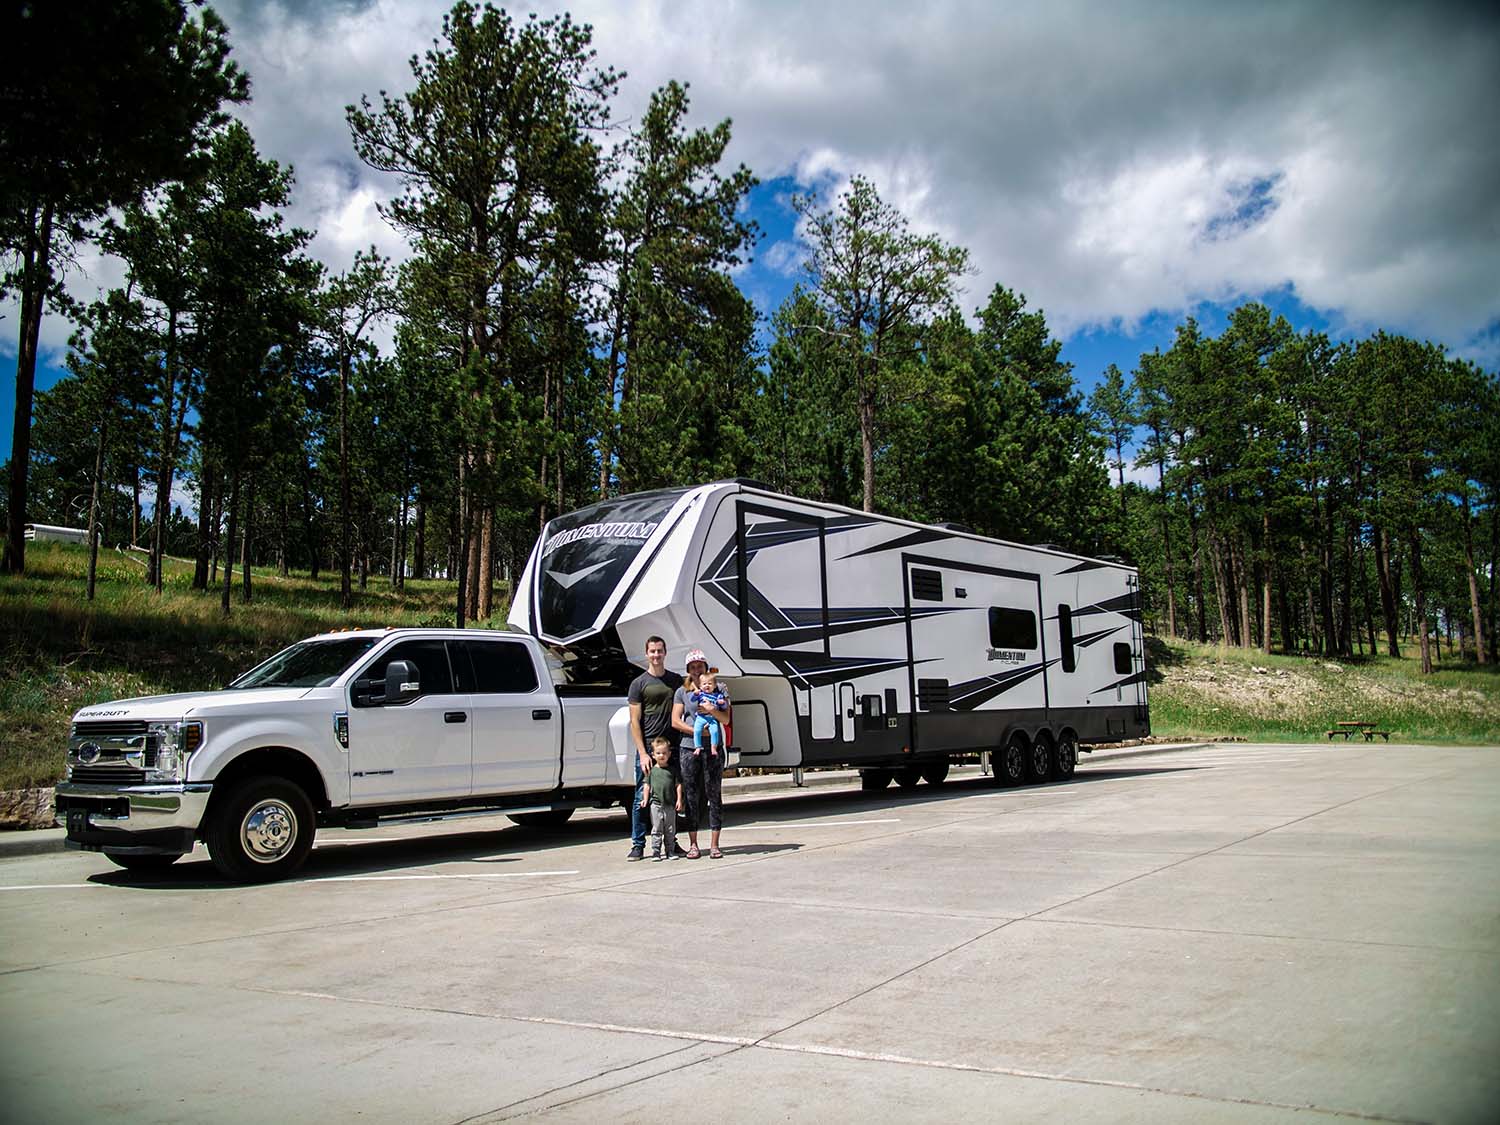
[(585, 553), (306, 664)]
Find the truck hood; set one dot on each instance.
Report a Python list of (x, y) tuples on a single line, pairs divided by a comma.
[(192, 704)]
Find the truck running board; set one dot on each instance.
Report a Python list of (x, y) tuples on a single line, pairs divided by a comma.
[(461, 814)]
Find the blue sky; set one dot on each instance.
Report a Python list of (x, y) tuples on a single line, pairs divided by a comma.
[(1122, 165)]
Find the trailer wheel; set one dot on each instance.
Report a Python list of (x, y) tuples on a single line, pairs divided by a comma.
[(1010, 766), (873, 781), (1039, 761), (550, 818), (934, 773), (1066, 760), (142, 862), (908, 776), (262, 830)]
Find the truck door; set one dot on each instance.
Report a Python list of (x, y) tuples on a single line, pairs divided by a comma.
[(516, 720), (983, 657), (419, 750)]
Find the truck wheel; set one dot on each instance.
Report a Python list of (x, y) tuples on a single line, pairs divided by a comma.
[(935, 773), (551, 818), (873, 781), (1039, 761), (261, 831), (1010, 766), (908, 776), (1066, 759), (142, 862)]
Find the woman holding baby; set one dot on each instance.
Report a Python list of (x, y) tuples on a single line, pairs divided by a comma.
[(700, 714)]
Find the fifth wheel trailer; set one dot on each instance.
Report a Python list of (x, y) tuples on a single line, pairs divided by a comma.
[(848, 638)]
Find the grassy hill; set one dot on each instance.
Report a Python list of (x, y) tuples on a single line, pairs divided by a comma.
[(60, 653)]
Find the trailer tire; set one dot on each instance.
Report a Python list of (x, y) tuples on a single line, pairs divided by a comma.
[(142, 863), (873, 781), (545, 820), (908, 776), (935, 773), (1041, 758), (1010, 766), (1066, 759), (261, 830)]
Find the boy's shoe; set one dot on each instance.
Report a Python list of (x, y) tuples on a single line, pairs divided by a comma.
[(677, 856), (636, 853), (657, 857)]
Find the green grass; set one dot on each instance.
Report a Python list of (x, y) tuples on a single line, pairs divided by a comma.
[(62, 652), (1202, 691)]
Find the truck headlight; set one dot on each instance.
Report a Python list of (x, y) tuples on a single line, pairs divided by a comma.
[(175, 742)]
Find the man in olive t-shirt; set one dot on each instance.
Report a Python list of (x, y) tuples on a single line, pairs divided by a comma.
[(650, 717)]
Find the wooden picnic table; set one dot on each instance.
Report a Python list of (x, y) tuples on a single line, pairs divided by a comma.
[(1348, 728)]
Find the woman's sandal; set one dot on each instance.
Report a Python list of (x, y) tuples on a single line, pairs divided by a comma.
[(693, 852), (716, 854)]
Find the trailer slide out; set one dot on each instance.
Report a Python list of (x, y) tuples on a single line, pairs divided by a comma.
[(848, 638)]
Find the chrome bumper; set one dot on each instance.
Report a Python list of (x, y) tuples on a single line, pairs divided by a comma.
[(148, 817)]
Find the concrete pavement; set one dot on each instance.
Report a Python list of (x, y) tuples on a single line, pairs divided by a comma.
[(1230, 933)]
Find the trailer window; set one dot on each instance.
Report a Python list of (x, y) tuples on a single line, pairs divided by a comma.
[(1012, 628), (1122, 659), (1065, 637)]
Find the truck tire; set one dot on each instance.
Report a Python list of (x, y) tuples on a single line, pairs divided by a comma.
[(1039, 761), (908, 776), (1010, 764), (935, 773), (261, 830), (873, 781), (142, 862), (551, 818), (1065, 761)]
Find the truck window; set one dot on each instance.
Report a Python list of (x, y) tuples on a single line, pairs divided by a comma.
[(499, 667), (306, 664), (1122, 659), (1012, 628), (430, 659)]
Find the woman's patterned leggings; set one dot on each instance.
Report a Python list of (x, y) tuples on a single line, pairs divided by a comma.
[(702, 775)]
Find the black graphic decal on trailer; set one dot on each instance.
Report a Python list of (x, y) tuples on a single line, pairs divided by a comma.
[(973, 693), (1137, 678), (817, 671), (911, 539), (1125, 605), (1081, 567), (1088, 639)]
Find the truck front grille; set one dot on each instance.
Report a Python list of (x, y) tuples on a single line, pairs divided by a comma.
[(107, 729), (107, 775)]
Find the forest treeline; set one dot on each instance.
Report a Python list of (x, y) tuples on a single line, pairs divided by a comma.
[(567, 327)]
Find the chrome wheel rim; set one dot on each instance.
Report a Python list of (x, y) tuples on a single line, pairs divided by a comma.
[(1015, 761), (268, 831)]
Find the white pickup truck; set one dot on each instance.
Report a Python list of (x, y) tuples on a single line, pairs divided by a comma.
[(350, 729)]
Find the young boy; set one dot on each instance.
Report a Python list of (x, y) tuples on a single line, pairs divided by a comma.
[(707, 692), (662, 793)]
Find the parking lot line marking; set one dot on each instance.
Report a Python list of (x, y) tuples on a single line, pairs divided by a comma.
[(396, 878), (50, 886), (807, 824)]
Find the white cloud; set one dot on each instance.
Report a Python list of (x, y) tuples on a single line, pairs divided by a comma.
[(1090, 155)]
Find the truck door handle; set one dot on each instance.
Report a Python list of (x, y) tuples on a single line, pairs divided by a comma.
[(455, 717), (541, 713)]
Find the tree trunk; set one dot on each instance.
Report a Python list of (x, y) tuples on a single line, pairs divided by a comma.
[(35, 272), (245, 549), (867, 439), (1265, 588), (1473, 582), (1242, 575), (487, 566), (103, 428), (346, 594), (1387, 588), (1494, 635), (1419, 595), (1288, 632), (1198, 592), (1166, 541), (309, 522), (465, 522), (229, 534), (1221, 591), (419, 545), (203, 557)]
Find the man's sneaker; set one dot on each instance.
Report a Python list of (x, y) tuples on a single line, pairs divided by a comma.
[(677, 855), (637, 852), (657, 857)]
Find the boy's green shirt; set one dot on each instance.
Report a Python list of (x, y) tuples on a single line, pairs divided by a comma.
[(663, 786)]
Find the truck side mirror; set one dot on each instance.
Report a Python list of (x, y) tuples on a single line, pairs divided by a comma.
[(402, 684)]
